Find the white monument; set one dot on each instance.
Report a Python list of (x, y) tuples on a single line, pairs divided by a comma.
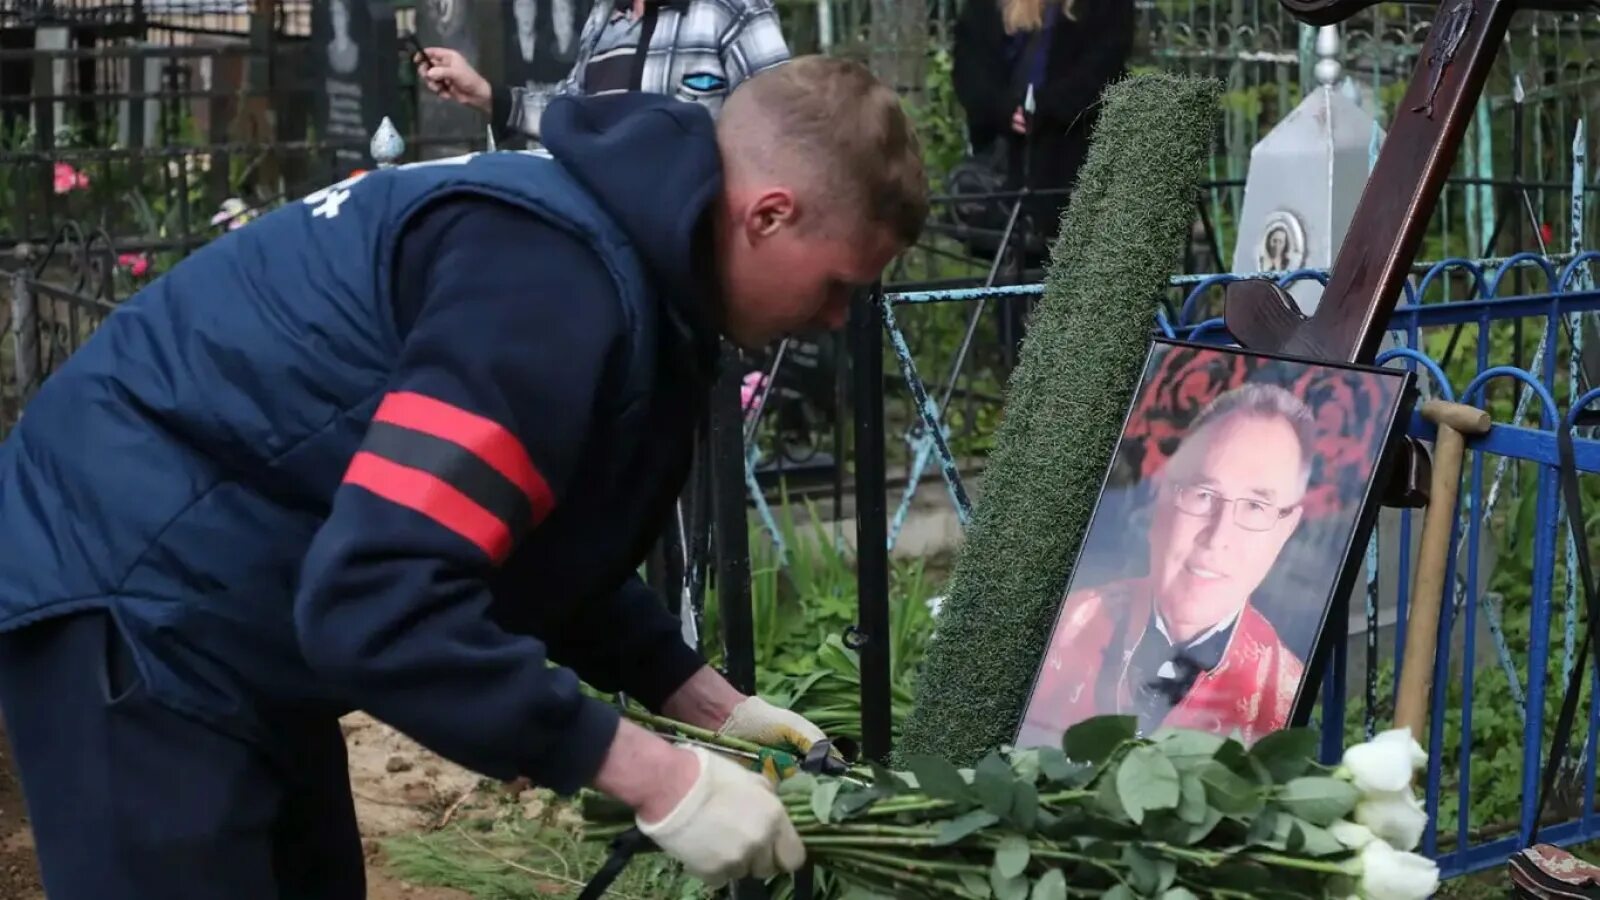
[(1305, 179)]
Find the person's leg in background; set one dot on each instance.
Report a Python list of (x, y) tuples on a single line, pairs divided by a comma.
[(1055, 158)]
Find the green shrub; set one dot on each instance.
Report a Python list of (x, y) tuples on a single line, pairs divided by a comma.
[(1120, 238)]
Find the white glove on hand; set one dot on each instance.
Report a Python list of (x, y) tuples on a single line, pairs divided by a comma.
[(759, 722), (730, 825)]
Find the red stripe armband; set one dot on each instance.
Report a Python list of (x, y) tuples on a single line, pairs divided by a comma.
[(466, 472)]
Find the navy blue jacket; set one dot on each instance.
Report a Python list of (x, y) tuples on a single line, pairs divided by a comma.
[(400, 446)]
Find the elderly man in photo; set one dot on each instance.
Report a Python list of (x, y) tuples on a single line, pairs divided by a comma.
[(1183, 646)]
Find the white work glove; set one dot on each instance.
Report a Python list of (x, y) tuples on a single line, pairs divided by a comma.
[(729, 825), (759, 722)]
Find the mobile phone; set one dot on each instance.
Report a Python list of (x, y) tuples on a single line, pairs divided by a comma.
[(414, 50)]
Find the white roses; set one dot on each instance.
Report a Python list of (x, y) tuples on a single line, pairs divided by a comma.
[(1390, 874), (1385, 763), (1395, 816), (1389, 821)]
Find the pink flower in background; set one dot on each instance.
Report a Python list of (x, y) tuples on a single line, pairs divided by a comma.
[(750, 391), (69, 179), (233, 213), (137, 264)]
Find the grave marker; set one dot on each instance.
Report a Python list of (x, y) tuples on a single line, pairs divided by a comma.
[(355, 56)]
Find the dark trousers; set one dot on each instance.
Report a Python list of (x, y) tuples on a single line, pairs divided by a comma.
[(131, 801)]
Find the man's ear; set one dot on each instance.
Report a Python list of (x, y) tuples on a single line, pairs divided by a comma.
[(772, 209), (1292, 521)]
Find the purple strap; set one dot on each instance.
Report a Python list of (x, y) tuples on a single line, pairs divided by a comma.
[(1041, 49)]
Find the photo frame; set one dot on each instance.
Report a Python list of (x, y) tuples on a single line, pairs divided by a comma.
[(1228, 533)]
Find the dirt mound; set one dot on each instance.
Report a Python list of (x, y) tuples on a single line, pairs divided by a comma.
[(19, 873), (399, 787)]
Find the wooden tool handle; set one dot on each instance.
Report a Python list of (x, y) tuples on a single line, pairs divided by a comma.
[(1427, 593)]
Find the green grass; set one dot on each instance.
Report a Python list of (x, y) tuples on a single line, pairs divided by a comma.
[(801, 606), (518, 858), (1496, 883), (1482, 886)]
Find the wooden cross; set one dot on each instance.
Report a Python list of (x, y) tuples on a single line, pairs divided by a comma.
[(1365, 282), (1366, 279)]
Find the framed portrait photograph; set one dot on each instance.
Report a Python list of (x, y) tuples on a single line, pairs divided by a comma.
[(1227, 535)]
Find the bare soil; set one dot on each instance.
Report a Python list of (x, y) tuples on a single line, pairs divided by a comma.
[(19, 875), (399, 788)]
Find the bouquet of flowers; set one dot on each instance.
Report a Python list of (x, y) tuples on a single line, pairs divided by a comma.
[(1180, 814)]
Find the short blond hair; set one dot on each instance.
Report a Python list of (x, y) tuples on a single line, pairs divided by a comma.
[(1026, 16), (834, 119)]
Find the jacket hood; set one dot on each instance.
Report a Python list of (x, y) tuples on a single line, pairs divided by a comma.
[(653, 163)]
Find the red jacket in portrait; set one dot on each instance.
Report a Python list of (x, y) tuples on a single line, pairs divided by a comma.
[(1251, 691)]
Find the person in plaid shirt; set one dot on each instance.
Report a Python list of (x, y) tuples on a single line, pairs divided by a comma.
[(694, 50)]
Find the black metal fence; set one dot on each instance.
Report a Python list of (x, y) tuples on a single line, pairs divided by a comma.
[(52, 306), (165, 122)]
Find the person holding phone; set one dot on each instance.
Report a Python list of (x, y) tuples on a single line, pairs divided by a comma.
[(694, 50), (414, 50)]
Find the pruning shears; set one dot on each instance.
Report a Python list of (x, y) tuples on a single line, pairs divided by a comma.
[(819, 760)]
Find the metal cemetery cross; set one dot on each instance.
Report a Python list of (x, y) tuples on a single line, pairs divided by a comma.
[(1388, 225)]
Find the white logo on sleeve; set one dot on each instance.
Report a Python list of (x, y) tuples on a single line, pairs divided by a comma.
[(326, 202), (329, 207)]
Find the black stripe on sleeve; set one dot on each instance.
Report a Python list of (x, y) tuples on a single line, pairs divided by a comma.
[(456, 466)]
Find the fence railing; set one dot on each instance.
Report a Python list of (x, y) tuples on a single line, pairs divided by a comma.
[(51, 306), (1512, 627), (152, 142), (223, 65)]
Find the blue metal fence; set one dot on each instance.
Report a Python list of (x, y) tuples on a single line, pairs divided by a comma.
[(1453, 304)]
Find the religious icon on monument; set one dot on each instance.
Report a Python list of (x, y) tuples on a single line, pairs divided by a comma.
[(1283, 244), (1227, 535)]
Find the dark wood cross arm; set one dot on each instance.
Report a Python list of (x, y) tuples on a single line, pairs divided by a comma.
[(1331, 12), (1367, 278)]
